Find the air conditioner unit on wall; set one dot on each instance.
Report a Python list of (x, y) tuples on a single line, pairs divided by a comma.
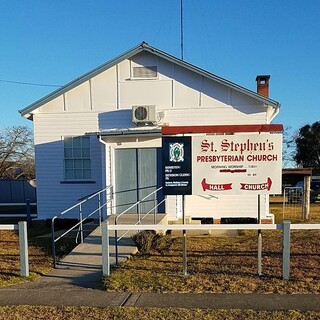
[(144, 115)]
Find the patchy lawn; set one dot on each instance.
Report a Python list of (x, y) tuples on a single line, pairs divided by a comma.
[(39, 260), (214, 264), (223, 265), (129, 313), (226, 264)]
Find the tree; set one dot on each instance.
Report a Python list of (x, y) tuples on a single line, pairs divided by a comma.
[(16, 153), (288, 148), (307, 142)]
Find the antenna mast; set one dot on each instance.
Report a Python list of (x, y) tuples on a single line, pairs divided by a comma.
[(181, 28)]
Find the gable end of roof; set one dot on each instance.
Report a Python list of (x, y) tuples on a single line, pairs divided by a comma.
[(27, 112)]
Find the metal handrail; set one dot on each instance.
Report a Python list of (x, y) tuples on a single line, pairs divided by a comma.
[(117, 239), (136, 203), (138, 222), (81, 219)]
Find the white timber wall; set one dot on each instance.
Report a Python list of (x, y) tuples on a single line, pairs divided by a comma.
[(105, 102), (53, 193)]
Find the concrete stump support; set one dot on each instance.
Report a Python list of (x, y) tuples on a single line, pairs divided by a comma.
[(286, 250), (23, 244), (105, 249)]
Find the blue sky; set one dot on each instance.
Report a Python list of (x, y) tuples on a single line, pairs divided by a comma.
[(54, 42)]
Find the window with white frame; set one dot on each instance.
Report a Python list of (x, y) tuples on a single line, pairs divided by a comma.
[(77, 161), (145, 72)]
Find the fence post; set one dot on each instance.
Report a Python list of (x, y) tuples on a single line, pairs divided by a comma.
[(259, 241), (286, 250), (28, 211), (23, 244), (184, 240), (306, 198), (105, 249)]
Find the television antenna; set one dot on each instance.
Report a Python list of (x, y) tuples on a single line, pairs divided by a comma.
[(181, 28)]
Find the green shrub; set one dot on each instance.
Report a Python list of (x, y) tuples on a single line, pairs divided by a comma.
[(143, 240), (160, 242)]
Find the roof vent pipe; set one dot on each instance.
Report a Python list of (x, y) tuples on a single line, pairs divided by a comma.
[(263, 85)]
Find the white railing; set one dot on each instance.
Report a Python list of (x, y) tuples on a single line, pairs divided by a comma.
[(140, 218), (285, 227), (138, 204), (8, 227), (103, 200), (23, 245)]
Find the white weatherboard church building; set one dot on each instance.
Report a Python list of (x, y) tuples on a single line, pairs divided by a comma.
[(105, 128)]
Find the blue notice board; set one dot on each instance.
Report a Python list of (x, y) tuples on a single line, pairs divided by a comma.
[(176, 160)]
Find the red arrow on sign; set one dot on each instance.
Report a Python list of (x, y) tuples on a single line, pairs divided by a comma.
[(215, 187), (257, 186)]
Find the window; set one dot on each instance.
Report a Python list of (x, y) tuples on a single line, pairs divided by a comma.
[(144, 72), (77, 162)]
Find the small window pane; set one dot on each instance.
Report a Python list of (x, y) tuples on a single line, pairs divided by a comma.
[(77, 153), (78, 164), (87, 164), (68, 153), (78, 174), (68, 142), (68, 164), (77, 142), (69, 174)]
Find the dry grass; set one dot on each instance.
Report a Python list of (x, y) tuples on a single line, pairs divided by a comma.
[(39, 260), (223, 265), (293, 212), (214, 265), (128, 313), (226, 264)]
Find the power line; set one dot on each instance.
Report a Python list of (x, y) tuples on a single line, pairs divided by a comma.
[(31, 83)]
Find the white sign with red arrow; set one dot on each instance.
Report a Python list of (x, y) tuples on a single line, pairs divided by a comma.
[(237, 164), (215, 187)]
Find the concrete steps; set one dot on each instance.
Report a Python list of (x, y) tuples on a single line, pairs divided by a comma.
[(88, 255)]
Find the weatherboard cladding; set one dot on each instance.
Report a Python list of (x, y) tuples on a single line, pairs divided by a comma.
[(113, 103), (54, 196), (224, 206), (220, 116)]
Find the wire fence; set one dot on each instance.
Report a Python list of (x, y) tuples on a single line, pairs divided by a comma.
[(293, 203)]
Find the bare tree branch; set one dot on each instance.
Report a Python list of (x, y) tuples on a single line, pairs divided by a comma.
[(16, 153)]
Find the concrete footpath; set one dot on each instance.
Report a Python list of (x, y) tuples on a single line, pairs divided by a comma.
[(77, 282), (75, 296)]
